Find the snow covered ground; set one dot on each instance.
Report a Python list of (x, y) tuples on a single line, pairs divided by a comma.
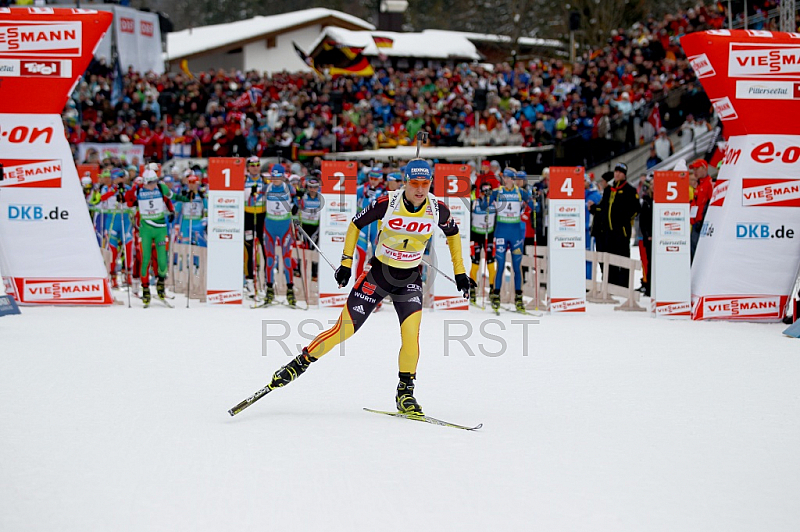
[(116, 419)]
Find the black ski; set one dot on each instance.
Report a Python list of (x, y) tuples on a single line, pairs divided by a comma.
[(425, 419)]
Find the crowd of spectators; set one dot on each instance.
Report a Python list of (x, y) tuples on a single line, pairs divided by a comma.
[(596, 107)]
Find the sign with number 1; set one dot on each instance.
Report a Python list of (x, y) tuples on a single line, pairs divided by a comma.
[(225, 230)]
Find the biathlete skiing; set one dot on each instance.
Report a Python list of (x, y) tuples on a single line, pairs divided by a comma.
[(407, 217)]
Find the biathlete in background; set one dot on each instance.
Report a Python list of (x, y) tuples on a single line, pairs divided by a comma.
[(365, 195), (509, 202), (116, 231), (281, 205), (481, 234), (408, 218), (194, 209), (255, 209), (309, 209), (154, 212)]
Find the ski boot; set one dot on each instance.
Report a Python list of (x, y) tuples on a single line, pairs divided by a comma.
[(406, 403), (269, 297), (518, 303), (114, 281), (161, 287), (494, 298), (290, 297), (296, 367), (473, 295), (251, 289), (146, 296)]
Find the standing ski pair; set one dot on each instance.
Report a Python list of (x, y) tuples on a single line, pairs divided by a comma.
[(407, 219)]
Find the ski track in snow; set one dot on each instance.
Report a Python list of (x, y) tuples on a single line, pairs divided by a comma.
[(116, 419)]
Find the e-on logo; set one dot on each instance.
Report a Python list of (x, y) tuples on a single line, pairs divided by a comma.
[(35, 213), (761, 231)]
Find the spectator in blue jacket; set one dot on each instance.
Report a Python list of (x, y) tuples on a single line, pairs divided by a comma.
[(590, 194)]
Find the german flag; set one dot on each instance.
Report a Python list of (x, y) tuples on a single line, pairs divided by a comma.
[(305, 57), (383, 42), (342, 59)]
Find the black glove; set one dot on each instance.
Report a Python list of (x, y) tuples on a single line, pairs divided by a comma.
[(342, 275), (254, 189), (464, 283), (171, 217)]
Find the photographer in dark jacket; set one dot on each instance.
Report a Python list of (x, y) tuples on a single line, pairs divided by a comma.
[(646, 234), (618, 209)]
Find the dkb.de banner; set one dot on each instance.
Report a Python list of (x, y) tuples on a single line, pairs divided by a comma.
[(48, 248), (749, 250)]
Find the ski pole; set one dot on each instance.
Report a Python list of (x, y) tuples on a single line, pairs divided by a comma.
[(302, 262), (321, 254), (128, 274), (190, 263)]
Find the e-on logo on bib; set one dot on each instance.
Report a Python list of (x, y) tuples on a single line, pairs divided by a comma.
[(405, 224)]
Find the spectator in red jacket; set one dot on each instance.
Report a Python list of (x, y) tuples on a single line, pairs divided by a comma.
[(702, 199)]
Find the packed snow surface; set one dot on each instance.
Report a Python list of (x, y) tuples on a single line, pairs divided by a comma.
[(116, 419)]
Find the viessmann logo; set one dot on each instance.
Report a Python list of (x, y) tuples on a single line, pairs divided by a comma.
[(724, 109), (761, 60), (32, 173), (770, 192), (702, 66), (41, 38), (35, 290)]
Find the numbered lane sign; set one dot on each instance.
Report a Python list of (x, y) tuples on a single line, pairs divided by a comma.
[(451, 184), (225, 230), (671, 283), (566, 238), (339, 182)]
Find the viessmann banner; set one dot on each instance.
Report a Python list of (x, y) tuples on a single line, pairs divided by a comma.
[(48, 248), (749, 250)]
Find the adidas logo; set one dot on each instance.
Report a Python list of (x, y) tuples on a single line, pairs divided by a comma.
[(359, 309), (414, 299)]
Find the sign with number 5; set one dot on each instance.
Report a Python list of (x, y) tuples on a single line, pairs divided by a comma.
[(670, 273)]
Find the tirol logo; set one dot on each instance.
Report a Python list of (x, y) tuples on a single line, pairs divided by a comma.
[(770, 192), (63, 290), (764, 60), (32, 173), (41, 38), (54, 69), (34, 213), (127, 25), (702, 66), (146, 28), (724, 108), (761, 231)]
